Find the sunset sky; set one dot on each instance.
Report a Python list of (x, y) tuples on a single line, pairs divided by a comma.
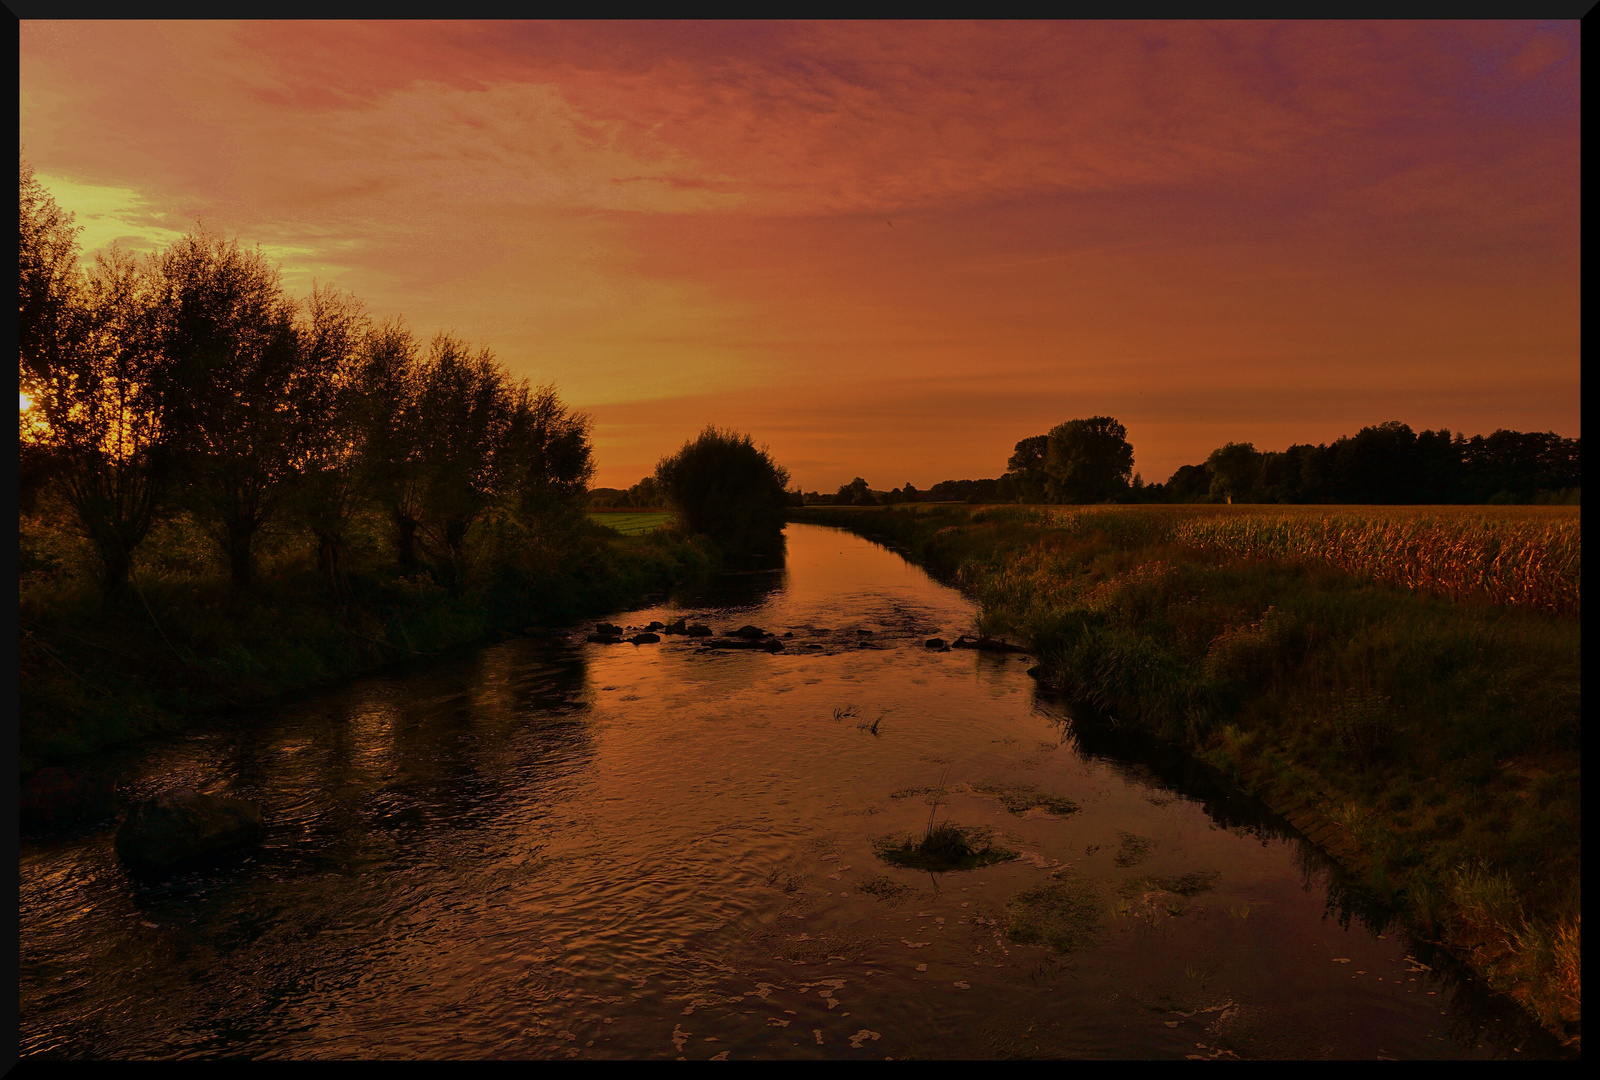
[(886, 250)]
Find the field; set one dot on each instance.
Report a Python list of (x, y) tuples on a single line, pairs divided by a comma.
[(1405, 679), (631, 522), (1518, 556)]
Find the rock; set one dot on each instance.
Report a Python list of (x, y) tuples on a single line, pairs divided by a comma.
[(754, 633), (773, 645), (611, 629), (645, 638), (675, 628), (788, 633), (863, 631), (56, 796), (698, 630), (605, 639), (988, 644), (963, 642), (180, 825), (655, 626), (934, 643)]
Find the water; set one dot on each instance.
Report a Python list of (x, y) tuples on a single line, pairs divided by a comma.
[(547, 848)]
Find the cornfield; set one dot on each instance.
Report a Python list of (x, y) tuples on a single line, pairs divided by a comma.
[(1527, 557)]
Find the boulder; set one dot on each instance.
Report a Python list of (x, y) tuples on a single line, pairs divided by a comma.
[(655, 626), (56, 796), (181, 825), (698, 630), (863, 631), (754, 633), (963, 642), (788, 633), (645, 638), (774, 645), (610, 629), (934, 643), (675, 628)]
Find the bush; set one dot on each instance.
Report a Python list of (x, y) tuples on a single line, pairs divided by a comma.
[(724, 487)]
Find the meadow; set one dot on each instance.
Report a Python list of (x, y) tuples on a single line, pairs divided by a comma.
[(632, 522), (1403, 681)]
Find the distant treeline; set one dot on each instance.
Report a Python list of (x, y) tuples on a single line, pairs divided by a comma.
[(1090, 460)]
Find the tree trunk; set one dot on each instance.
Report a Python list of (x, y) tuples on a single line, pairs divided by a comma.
[(241, 561), (405, 542)]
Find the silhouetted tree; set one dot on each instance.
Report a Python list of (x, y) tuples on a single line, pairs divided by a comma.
[(235, 384), (855, 493), (332, 333), (1235, 472), (1190, 483), (1026, 468), (1088, 460), (464, 409), (90, 367), (546, 462), (391, 423), (722, 485)]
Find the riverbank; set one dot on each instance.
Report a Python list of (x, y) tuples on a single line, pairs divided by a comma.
[(1432, 745), (188, 644)]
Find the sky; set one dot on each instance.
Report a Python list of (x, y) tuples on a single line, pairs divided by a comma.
[(882, 250)]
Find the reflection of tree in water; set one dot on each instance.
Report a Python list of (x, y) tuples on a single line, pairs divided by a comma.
[(464, 743), (748, 582), (1478, 1017)]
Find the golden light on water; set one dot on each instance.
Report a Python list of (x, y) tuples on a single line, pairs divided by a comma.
[(23, 402)]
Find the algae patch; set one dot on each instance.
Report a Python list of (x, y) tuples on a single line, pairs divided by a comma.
[(1134, 849), (884, 888), (1020, 798), (1064, 915)]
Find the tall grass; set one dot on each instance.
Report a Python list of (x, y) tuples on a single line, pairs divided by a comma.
[(1522, 557)]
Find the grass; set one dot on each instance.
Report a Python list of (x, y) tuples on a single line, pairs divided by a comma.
[(942, 846), (632, 522), (187, 643), (1421, 664)]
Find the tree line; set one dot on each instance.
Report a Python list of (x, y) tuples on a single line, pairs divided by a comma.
[(189, 382), (1091, 460)]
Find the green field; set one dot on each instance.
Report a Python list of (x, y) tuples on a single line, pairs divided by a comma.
[(631, 522)]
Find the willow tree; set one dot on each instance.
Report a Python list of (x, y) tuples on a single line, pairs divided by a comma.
[(91, 371), (236, 386)]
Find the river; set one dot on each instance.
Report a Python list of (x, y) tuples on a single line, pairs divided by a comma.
[(545, 848)]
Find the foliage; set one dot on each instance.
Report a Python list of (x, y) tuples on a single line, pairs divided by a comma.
[(1088, 460), (723, 486)]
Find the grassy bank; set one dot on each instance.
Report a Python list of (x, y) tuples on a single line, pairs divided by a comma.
[(187, 643), (1407, 695)]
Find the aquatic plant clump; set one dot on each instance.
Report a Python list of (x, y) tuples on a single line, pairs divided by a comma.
[(1021, 798), (941, 848), (1064, 915)]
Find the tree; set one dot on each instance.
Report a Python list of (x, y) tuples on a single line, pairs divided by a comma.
[(725, 487), (1235, 472), (332, 335), (547, 461), (1190, 483), (1088, 460), (243, 405), (463, 414), (96, 426), (855, 493), (1026, 468)]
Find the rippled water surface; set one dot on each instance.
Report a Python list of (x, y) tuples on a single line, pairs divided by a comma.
[(549, 848)]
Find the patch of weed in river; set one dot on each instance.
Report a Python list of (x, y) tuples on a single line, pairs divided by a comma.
[(1134, 849), (1064, 915), (1020, 798)]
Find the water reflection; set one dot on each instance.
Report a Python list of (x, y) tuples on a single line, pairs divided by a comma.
[(548, 848)]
